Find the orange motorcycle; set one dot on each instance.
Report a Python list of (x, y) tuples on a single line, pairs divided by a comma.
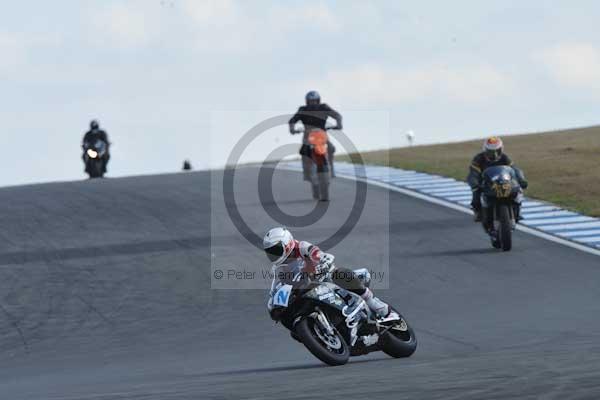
[(320, 172)]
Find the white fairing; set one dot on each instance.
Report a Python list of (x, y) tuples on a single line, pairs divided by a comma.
[(283, 275), (282, 296)]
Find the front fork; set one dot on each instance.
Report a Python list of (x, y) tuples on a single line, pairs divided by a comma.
[(323, 321), (488, 208)]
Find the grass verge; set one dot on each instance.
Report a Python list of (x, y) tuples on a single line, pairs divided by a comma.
[(562, 167)]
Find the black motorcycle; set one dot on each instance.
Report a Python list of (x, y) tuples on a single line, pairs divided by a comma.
[(501, 196), (333, 323), (94, 156)]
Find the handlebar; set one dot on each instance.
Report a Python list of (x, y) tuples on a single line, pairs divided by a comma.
[(326, 275), (331, 128)]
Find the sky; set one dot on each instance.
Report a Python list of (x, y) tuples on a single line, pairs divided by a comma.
[(177, 79)]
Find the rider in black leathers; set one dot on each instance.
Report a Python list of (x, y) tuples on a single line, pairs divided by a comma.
[(492, 155), (314, 116), (95, 133)]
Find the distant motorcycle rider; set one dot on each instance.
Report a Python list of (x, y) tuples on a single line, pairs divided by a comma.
[(94, 134), (281, 248), (314, 116), (492, 155)]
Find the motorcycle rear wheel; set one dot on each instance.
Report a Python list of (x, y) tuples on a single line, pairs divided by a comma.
[(306, 330), (399, 341), (315, 191), (323, 178)]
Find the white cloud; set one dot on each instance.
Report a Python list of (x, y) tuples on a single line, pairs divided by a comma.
[(15, 48), (220, 26), (125, 24), (474, 84), (310, 16), (212, 12), (373, 85), (573, 64), (230, 26), (12, 52), (321, 16)]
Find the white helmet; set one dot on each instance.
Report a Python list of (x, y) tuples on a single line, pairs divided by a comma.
[(492, 148), (278, 244)]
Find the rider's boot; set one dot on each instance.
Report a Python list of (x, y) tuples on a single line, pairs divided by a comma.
[(477, 215), (518, 216), (383, 311), (306, 168)]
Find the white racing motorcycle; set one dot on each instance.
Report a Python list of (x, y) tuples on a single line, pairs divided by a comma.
[(333, 323)]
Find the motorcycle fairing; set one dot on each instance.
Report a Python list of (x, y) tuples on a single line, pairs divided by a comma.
[(318, 139), (327, 293)]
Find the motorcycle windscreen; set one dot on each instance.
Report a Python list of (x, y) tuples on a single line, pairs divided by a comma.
[(500, 182), (289, 272), (498, 172)]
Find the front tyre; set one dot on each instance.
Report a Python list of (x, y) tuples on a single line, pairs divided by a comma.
[(331, 349), (96, 169), (505, 228), (399, 341), (315, 191)]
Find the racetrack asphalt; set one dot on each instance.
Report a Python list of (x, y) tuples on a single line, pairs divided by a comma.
[(105, 293)]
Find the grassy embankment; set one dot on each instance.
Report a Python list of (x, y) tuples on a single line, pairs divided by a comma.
[(562, 167)]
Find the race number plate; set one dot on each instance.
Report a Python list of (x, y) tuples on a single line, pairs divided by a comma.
[(282, 297)]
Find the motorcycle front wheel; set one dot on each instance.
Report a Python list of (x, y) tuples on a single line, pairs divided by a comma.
[(96, 169), (505, 231), (331, 349)]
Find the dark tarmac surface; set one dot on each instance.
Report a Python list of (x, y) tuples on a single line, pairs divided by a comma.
[(105, 293)]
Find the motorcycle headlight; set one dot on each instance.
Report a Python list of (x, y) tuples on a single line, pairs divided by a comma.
[(92, 153)]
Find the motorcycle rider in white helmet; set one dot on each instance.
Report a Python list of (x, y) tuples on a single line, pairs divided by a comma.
[(281, 248)]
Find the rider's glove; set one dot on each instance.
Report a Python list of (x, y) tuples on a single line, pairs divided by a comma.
[(321, 269), (325, 264)]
